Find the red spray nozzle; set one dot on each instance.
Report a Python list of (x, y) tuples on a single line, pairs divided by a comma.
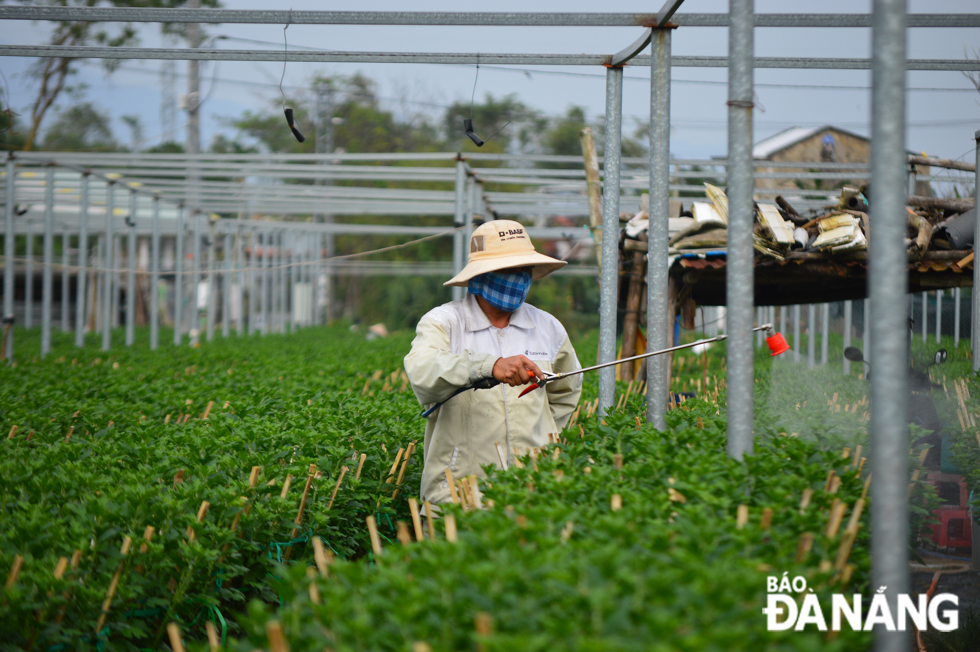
[(777, 344)]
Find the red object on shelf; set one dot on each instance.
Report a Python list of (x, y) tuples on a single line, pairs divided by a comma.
[(953, 529)]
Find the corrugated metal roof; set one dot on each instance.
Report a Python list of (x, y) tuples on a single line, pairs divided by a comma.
[(782, 140)]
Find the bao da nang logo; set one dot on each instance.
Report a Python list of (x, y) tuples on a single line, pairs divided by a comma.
[(784, 611)]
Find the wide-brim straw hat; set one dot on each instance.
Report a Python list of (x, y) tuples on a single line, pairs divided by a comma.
[(502, 244)]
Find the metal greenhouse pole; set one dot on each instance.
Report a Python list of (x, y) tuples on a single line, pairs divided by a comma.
[(65, 262), (131, 269), (811, 335), (8, 251), (887, 279), (848, 326), (155, 276), (29, 281), (458, 221), (266, 263), (240, 286), (739, 268), (609, 281), (253, 286), (226, 285), (196, 273), (658, 232), (975, 293), (179, 277), (212, 245), (47, 272)]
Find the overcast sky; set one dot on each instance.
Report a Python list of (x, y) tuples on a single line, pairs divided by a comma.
[(939, 122)]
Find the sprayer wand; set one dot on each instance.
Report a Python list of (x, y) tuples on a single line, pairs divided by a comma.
[(777, 344), (775, 341)]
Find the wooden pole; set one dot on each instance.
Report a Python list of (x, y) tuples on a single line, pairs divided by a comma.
[(173, 631), (413, 507), (373, 533), (343, 472), (401, 473), (430, 520), (113, 585)]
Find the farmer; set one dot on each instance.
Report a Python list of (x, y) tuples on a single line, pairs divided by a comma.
[(491, 333)]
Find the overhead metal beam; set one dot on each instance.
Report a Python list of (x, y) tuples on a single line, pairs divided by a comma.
[(633, 49), (667, 12), (482, 19), (501, 59)]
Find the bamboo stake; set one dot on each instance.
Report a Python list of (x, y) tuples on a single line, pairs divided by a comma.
[(766, 518), (835, 484), (430, 520), (76, 559), (14, 572), (201, 512), (452, 487), (312, 587), (173, 631), (207, 410), (401, 473), (373, 533), (321, 557), (837, 511), (806, 543), (830, 478), (867, 486), (450, 522), (360, 465), (741, 517), (517, 459), (857, 451), (285, 486), (71, 430), (483, 624), (403, 536), (311, 473), (501, 456), (855, 521), (144, 547), (805, 499), (475, 492), (616, 503), (113, 585), (343, 472), (394, 467), (844, 550), (413, 507), (214, 643), (13, 432), (277, 641), (468, 502)]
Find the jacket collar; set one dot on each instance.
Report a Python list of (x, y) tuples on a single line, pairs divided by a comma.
[(476, 320)]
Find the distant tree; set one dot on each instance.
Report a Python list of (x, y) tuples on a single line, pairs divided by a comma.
[(359, 122), (489, 116), (52, 73), (80, 127), (221, 144), (169, 147), (11, 133), (135, 131), (972, 75)]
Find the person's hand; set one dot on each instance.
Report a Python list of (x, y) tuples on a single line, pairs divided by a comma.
[(516, 370)]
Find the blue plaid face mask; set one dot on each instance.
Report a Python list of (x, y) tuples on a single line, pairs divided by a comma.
[(503, 290)]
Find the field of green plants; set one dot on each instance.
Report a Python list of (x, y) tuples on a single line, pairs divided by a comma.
[(197, 487)]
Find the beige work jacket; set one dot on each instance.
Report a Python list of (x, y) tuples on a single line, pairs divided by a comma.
[(456, 345)]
